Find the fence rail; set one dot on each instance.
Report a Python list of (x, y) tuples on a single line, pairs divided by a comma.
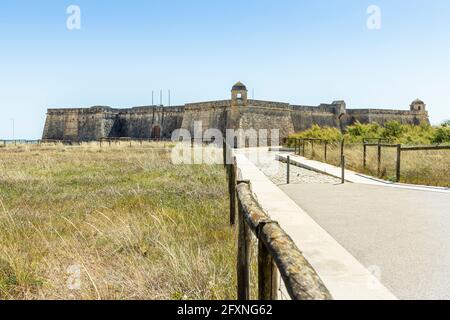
[(277, 253), (300, 146)]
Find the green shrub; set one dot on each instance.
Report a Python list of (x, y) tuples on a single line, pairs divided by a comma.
[(393, 131), (317, 132), (358, 132), (442, 135)]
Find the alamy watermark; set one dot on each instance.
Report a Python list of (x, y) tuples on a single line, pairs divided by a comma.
[(374, 19), (73, 21), (374, 280), (198, 146), (74, 277)]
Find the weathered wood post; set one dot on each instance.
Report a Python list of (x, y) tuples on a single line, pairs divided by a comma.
[(243, 258), (304, 145), (399, 160), (267, 273), (288, 172), (365, 155), (224, 150), (232, 175), (343, 169), (379, 159), (326, 151), (312, 149)]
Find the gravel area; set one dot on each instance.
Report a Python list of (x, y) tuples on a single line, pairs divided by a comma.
[(276, 171)]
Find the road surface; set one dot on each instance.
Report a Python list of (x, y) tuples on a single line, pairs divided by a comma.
[(401, 235)]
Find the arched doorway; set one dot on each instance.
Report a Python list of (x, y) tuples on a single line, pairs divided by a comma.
[(156, 132)]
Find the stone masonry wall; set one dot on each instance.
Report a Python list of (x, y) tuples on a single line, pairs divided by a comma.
[(382, 116), (155, 121)]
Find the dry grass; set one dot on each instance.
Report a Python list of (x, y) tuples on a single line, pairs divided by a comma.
[(136, 226), (417, 167)]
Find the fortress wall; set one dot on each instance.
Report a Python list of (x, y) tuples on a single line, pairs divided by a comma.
[(133, 125), (91, 125), (382, 117), (303, 120), (327, 108), (268, 104), (139, 122), (54, 125), (171, 121), (76, 124), (262, 118), (156, 121), (211, 114), (62, 125)]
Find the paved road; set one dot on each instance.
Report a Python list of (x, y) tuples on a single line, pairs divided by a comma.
[(402, 234)]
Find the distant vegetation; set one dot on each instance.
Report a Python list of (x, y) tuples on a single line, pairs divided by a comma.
[(392, 131)]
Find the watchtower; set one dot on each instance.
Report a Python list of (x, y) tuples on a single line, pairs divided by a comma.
[(418, 106), (239, 94)]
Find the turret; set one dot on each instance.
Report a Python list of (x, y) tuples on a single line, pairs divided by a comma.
[(239, 94)]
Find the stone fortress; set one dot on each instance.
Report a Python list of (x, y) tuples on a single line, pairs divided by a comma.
[(156, 122)]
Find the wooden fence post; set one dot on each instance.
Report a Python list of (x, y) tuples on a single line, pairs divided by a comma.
[(268, 280), (243, 258), (365, 155), (232, 173), (379, 159), (343, 169), (224, 149), (342, 148), (304, 143), (326, 151), (399, 160), (288, 173)]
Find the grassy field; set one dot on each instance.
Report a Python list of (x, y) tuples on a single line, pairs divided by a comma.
[(83, 222), (417, 167)]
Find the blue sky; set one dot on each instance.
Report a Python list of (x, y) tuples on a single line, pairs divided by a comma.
[(303, 52)]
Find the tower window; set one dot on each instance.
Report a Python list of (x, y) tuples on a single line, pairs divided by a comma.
[(239, 95)]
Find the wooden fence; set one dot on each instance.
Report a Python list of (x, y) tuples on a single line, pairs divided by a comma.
[(300, 146), (277, 253), (102, 141)]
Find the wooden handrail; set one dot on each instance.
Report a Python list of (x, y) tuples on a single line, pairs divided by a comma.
[(425, 148), (276, 251)]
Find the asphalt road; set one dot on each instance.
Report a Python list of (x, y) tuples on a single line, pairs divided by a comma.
[(403, 236)]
